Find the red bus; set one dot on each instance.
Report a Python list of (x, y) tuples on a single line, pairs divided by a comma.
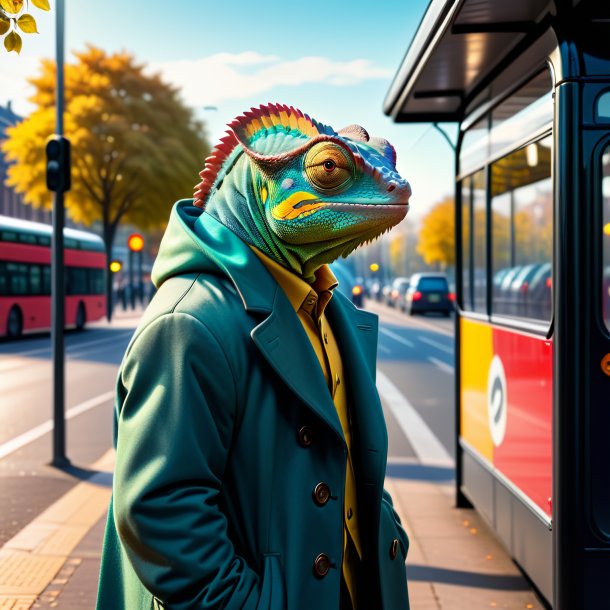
[(25, 277)]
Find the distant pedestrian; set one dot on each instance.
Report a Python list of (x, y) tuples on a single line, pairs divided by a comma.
[(251, 444)]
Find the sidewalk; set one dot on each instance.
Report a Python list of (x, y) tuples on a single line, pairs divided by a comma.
[(454, 562)]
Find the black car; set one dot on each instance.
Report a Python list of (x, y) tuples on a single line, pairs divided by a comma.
[(428, 292)]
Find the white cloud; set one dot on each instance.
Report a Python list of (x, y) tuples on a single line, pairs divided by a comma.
[(228, 76)]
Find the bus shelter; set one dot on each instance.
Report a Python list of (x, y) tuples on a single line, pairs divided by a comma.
[(528, 82)]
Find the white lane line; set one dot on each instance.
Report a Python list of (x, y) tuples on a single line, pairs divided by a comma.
[(35, 433), (384, 349), (426, 446), (436, 344), (396, 337), (20, 360), (446, 368)]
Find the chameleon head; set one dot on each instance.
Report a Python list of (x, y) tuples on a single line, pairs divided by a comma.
[(319, 193)]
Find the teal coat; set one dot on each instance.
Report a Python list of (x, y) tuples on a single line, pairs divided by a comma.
[(224, 426)]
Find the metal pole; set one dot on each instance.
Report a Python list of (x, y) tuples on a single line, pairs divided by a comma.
[(140, 278), (132, 288), (57, 281)]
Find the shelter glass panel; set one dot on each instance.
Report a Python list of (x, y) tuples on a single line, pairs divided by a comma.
[(522, 240), (606, 235)]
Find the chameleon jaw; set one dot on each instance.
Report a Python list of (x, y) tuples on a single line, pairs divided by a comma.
[(306, 208)]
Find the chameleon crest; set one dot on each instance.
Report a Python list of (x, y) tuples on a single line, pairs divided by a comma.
[(299, 191)]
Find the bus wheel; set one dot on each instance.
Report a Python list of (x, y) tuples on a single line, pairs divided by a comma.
[(81, 317), (14, 324)]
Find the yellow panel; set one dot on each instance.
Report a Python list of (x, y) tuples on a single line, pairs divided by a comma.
[(476, 356)]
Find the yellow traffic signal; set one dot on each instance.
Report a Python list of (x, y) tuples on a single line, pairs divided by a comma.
[(374, 267), (607, 229), (115, 266), (135, 242)]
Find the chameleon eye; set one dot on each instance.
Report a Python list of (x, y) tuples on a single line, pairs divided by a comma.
[(329, 167)]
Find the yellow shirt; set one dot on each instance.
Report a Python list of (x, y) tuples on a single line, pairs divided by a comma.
[(309, 302)]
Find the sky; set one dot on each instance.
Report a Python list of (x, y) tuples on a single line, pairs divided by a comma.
[(333, 60)]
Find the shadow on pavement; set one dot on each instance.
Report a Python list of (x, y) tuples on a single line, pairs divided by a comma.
[(463, 578), (421, 472), (101, 478)]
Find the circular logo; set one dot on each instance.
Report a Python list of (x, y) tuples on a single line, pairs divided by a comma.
[(497, 401)]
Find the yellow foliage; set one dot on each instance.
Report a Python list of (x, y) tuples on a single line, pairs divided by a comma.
[(10, 20), (436, 237), (136, 148)]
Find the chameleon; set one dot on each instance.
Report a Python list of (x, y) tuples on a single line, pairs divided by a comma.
[(299, 191)]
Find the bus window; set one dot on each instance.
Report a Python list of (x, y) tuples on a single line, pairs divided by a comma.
[(35, 284), (603, 107), (466, 232), (27, 238), (479, 242), (96, 281), (18, 279), (606, 238), (46, 279), (8, 236), (522, 236), (3, 279), (43, 240), (76, 281)]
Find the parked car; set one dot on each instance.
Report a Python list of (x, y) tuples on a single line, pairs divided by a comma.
[(399, 287), (428, 292)]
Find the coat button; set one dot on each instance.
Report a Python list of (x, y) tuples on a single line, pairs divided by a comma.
[(305, 436), (321, 565), (321, 494), (393, 549)]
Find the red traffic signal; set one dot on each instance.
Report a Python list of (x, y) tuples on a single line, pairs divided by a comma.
[(135, 242)]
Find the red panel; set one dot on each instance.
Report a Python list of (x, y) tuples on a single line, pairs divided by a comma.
[(525, 454)]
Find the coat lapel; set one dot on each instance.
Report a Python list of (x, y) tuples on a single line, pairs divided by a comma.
[(356, 331), (283, 342)]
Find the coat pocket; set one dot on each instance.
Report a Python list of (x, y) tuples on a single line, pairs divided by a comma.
[(393, 547), (273, 589)]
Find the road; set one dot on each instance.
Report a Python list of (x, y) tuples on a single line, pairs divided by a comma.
[(415, 376)]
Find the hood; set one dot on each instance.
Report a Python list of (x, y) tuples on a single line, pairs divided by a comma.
[(195, 242)]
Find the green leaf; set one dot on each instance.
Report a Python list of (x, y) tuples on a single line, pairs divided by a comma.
[(11, 6), (27, 23), (42, 4), (5, 25), (13, 42)]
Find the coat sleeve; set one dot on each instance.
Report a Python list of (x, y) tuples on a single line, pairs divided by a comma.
[(177, 405)]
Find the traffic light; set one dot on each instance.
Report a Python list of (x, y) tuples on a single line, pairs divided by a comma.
[(58, 164), (115, 266), (135, 242)]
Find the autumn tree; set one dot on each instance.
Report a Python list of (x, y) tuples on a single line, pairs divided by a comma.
[(13, 19), (136, 148), (436, 237)]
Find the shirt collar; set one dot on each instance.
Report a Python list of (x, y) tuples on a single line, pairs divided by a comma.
[(313, 298)]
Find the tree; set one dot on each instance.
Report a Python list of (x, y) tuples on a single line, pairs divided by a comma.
[(13, 18), (436, 237), (136, 147)]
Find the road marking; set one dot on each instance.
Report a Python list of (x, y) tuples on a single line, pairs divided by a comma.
[(396, 337), (35, 433), (20, 359), (446, 368), (443, 348), (426, 446)]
